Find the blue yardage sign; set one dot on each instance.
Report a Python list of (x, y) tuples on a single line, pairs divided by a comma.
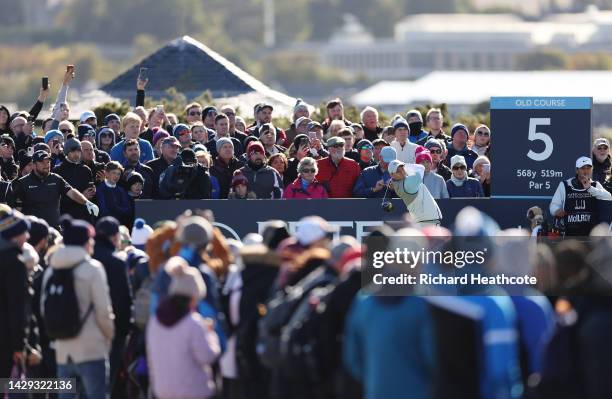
[(535, 143)]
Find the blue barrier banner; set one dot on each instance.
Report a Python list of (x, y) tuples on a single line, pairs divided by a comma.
[(536, 142)]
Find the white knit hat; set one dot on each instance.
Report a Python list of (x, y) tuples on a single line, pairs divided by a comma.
[(140, 232)]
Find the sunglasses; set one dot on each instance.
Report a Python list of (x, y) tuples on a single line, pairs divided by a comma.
[(195, 113), (459, 167), (66, 131), (483, 134), (308, 170), (436, 151), (602, 147), (366, 147), (104, 135)]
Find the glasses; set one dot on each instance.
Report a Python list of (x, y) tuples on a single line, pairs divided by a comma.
[(435, 151), (602, 147), (308, 170), (462, 167), (486, 134), (66, 131), (195, 113)]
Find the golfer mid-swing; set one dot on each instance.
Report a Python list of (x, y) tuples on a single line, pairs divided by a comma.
[(407, 181)]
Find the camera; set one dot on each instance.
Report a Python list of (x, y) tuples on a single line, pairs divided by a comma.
[(387, 206)]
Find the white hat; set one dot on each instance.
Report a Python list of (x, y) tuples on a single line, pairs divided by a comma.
[(458, 159), (394, 165), (313, 228), (601, 141), (186, 280), (583, 161), (301, 120), (86, 115), (141, 232)]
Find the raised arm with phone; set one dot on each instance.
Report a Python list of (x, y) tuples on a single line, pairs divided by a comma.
[(62, 96), (141, 83)]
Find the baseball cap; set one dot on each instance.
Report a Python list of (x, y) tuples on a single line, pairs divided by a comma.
[(313, 124), (267, 127), (86, 115), (334, 141), (388, 154), (394, 165), (40, 155), (303, 119), (313, 228), (601, 141), (181, 127), (264, 105), (8, 140), (255, 146), (171, 141), (583, 161)]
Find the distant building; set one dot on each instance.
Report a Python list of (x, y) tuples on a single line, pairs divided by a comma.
[(461, 91), (457, 42)]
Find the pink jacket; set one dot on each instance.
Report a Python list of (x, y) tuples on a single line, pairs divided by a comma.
[(315, 190), (179, 358)]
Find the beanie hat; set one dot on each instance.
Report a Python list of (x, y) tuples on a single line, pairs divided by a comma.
[(18, 119), (180, 128), (479, 160), (188, 156), (458, 159), (186, 281), (433, 143), (107, 226), (85, 130), (194, 231), (23, 159), (51, 134), (12, 223), (133, 178), (140, 233), (159, 135), (224, 140), (72, 144), (299, 104), (419, 149), (39, 229), (414, 112), (239, 178), (255, 146), (208, 110), (106, 130), (398, 121), (423, 156), (111, 117), (457, 127), (76, 232)]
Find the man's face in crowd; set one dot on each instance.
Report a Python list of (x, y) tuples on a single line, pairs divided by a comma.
[(132, 153), (170, 151), (460, 139), (302, 111), (601, 152), (90, 137), (585, 172), (17, 127), (209, 119), (113, 176), (132, 130), (200, 134), (389, 136), (157, 119), (278, 164), (64, 112), (413, 119), (268, 139), (43, 168), (436, 155), (481, 137), (222, 127), (241, 190), (377, 149), (370, 120), (226, 151), (6, 151), (194, 114), (184, 137), (264, 115), (258, 158), (366, 155), (435, 121), (336, 152), (479, 168), (65, 127), (56, 145), (87, 151), (74, 156), (401, 134), (349, 141), (114, 124), (142, 112), (93, 122), (336, 113), (231, 115), (302, 128), (106, 139)]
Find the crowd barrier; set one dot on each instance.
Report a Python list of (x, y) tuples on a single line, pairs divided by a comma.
[(236, 218)]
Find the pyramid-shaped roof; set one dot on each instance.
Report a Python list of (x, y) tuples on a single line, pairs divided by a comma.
[(192, 68)]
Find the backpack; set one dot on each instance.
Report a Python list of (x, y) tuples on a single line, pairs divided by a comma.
[(278, 313), (142, 302), (61, 306)]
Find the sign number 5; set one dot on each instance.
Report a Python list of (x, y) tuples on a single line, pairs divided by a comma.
[(535, 135)]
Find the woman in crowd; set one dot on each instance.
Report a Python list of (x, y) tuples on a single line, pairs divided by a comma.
[(460, 184), (306, 186)]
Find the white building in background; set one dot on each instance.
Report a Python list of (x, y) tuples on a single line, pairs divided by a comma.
[(457, 42), (461, 91)]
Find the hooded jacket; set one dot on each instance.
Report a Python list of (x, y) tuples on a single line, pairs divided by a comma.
[(94, 340), (265, 182)]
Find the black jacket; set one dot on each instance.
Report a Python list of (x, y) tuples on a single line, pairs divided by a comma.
[(118, 284), (224, 173), (211, 146), (9, 168), (601, 169), (158, 166), (14, 296), (372, 134), (185, 182), (444, 171), (5, 191), (147, 174), (79, 176)]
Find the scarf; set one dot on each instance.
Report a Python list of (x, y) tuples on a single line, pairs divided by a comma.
[(108, 184), (305, 184), (459, 182)]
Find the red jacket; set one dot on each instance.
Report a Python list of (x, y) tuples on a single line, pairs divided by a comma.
[(340, 180), (295, 191)]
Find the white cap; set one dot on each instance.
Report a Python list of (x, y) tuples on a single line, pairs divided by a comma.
[(583, 161), (394, 165), (458, 159), (601, 141), (86, 115), (313, 228)]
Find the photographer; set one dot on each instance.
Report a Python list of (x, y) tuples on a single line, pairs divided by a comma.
[(185, 179)]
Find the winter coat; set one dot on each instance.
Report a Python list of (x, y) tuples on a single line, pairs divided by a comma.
[(470, 188), (118, 284), (196, 185), (113, 201), (601, 169), (367, 180), (339, 180), (13, 300), (469, 155), (295, 191), (224, 173), (265, 182), (90, 283)]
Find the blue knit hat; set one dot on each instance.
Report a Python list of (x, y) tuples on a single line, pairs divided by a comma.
[(51, 134), (457, 127), (179, 128)]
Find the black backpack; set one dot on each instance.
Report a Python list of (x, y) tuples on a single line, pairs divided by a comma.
[(61, 306)]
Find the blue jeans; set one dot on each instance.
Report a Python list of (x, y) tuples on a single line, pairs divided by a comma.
[(92, 377)]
